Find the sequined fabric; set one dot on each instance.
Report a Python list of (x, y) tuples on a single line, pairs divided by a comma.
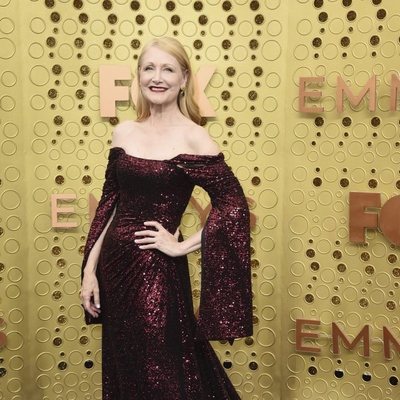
[(153, 348)]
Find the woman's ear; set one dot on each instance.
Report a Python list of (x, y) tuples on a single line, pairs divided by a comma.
[(185, 77)]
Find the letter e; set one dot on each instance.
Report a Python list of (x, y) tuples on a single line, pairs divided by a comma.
[(55, 210), (314, 94), (301, 335)]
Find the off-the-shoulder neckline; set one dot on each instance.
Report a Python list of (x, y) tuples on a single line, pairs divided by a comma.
[(180, 155)]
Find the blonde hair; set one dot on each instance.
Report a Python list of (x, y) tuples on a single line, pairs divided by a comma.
[(186, 102)]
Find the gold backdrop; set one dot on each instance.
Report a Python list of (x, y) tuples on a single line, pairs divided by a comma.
[(297, 169)]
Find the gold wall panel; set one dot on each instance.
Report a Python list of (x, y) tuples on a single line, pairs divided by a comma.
[(330, 155), (297, 169)]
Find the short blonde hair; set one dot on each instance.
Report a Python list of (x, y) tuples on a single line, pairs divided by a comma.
[(186, 103)]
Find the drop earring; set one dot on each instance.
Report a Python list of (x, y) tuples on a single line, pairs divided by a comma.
[(182, 92)]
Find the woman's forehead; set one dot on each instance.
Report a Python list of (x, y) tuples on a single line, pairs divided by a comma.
[(158, 56)]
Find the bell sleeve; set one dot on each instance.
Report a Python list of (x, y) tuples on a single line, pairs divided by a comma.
[(226, 298), (104, 210)]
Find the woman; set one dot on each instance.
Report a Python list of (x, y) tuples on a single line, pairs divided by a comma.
[(135, 274)]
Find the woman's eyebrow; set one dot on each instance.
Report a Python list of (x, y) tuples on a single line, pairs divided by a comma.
[(163, 65)]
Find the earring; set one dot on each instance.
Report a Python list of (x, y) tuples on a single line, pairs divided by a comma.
[(182, 92)]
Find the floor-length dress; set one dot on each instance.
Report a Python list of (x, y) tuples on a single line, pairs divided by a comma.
[(152, 347)]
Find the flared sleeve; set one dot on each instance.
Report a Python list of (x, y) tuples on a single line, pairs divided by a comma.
[(104, 210), (226, 298)]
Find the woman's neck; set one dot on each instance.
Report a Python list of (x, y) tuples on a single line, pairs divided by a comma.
[(165, 115)]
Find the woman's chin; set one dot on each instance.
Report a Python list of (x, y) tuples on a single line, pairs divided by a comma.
[(160, 101)]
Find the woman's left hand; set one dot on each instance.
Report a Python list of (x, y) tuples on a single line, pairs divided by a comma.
[(159, 239)]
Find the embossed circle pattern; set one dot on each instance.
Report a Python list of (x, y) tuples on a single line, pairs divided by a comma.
[(281, 156)]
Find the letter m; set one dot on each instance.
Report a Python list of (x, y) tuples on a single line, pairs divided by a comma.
[(364, 335), (356, 100)]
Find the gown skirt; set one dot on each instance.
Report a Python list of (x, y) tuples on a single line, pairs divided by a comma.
[(153, 348)]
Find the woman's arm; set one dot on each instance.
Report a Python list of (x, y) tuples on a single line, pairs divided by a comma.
[(95, 252), (192, 243), (165, 241), (90, 296)]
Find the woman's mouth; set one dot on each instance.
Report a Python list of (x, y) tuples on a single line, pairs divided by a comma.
[(157, 89)]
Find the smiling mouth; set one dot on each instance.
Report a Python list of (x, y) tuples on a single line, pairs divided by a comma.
[(157, 89)]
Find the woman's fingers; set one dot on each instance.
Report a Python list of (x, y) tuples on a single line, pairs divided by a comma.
[(146, 233), (90, 295), (160, 239), (148, 246), (93, 313), (94, 310), (156, 224), (87, 305), (96, 298), (151, 236), (91, 308), (145, 240)]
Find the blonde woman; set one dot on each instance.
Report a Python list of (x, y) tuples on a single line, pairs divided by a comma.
[(135, 278)]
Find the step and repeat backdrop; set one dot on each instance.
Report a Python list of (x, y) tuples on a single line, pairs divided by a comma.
[(305, 95)]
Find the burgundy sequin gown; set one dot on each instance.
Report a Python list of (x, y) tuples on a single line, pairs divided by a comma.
[(153, 348)]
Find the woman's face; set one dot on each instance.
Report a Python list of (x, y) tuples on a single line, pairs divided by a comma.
[(160, 76)]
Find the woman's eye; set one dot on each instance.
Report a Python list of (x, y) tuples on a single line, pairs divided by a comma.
[(148, 68)]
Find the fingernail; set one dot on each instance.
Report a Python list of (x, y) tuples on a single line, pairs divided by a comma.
[(97, 305)]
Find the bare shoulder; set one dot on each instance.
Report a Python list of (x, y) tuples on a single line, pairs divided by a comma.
[(201, 141), (121, 131)]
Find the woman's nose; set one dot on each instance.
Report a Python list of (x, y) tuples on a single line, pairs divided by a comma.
[(157, 76)]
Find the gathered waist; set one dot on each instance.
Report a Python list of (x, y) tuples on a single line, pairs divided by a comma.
[(133, 223)]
